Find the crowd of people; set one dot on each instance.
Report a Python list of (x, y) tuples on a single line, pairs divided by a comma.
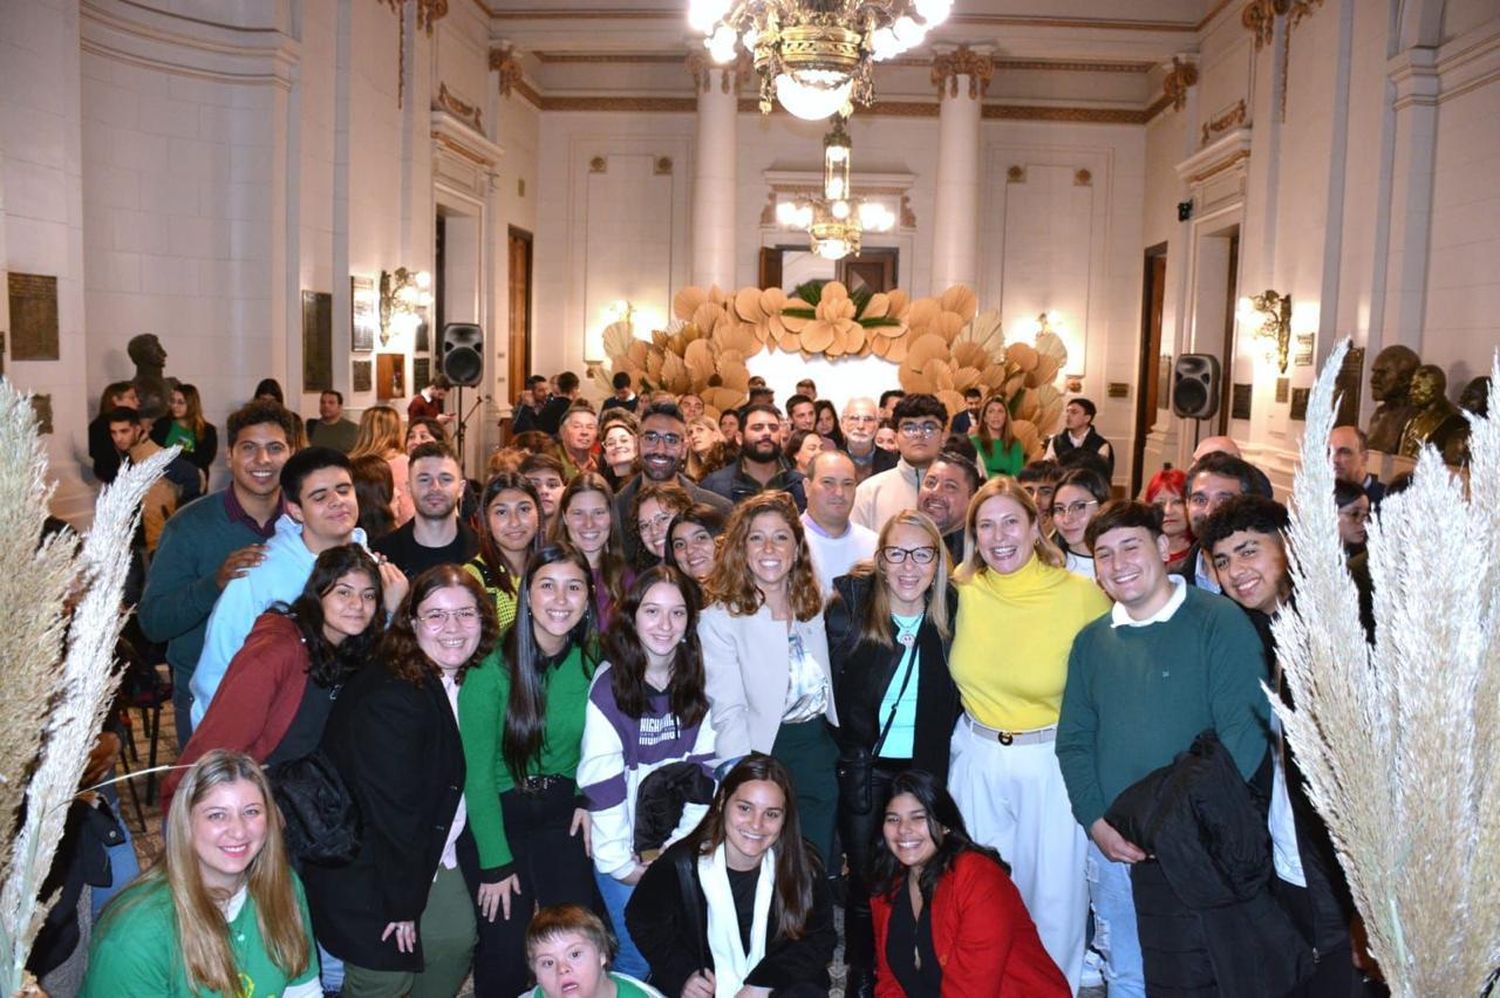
[(637, 713)]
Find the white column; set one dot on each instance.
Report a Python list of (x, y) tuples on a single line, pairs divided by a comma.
[(714, 189), (961, 77)]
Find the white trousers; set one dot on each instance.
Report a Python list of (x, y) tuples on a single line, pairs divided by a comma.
[(1013, 799)]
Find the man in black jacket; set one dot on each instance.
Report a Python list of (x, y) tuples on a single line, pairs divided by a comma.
[(1079, 434), (1247, 540)]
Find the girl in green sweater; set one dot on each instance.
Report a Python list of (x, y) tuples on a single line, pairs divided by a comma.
[(998, 447), (521, 717)]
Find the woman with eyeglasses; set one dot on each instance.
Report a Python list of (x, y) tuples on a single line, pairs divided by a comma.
[(522, 715), (585, 520), (652, 509), (1167, 491), (1018, 613), (766, 655), (889, 631), (510, 529), (693, 541), (1079, 496), (400, 914)]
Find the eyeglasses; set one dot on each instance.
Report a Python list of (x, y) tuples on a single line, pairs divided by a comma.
[(653, 438), (657, 522), (919, 429), (895, 556), (434, 620), (1072, 509)]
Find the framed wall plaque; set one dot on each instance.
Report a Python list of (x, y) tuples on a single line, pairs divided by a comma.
[(1239, 406), (33, 316), (1303, 357), (363, 376), (1299, 403), (1283, 389), (41, 407), (364, 314), (317, 341), (421, 371)]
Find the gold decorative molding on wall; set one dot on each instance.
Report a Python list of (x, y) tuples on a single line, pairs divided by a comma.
[(429, 12), (469, 114), (1301, 9), (1231, 118), (663, 166), (1174, 86), (947, 67), (1083, 178), (598, 165), (1078, 115), (1259, 16), (506, 63), (1016, 175), (702, 70)]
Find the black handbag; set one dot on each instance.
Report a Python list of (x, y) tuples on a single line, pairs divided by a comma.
[(322, 820), (856, 768)]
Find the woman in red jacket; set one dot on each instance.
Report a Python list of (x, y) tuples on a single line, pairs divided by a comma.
[(948, 921), (281, 684)]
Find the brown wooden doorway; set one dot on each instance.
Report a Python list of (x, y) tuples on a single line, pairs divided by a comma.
[(1155, 367), (874, 270), (518, 347)]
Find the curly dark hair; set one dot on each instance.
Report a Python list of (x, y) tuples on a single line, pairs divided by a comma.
[(399, 649), (329, 664)]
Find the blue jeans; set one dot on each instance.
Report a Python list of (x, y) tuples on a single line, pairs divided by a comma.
[(616, 895), (1115, 934), (123, 864)]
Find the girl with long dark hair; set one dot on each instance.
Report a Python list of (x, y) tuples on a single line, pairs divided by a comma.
[(890, 625), (693, 541), (221, 905), (510, 520), (995, 439), (948, 920), (280, 687), (522, 715), (400, 914), (741, 902), (585, 520), (647, 721)]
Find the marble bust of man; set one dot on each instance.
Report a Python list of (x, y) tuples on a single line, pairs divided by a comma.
[(1436, 421), (1390, 382)]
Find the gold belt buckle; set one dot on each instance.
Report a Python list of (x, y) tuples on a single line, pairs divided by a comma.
[(1005, 737)]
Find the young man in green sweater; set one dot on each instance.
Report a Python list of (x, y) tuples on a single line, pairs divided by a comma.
[(213, 540), (1169, 661)]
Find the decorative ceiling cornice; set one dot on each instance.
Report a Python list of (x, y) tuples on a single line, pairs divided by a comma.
[(883, 109), (982, 20), (507, 64), (1259, 17)]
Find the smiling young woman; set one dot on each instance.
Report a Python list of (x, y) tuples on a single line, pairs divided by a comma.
[(510, 529), (522, 715), (221, 908), (769, 928), (647, 732), (400, 915)]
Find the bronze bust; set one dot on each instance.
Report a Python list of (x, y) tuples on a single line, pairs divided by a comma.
[(1390, 382), (1437, 421), (151, 388)]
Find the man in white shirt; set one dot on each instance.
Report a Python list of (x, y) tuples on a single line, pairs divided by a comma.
[(836, 544), (920, 422)]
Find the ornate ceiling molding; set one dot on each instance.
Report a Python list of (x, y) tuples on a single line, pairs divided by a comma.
[(1259, 17), (947, 67), (469, 114), (702, 69), (507, 64), (1175, 85), (1232, 118)]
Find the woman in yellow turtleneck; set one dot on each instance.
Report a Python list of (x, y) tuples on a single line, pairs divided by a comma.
[(1018, 612)]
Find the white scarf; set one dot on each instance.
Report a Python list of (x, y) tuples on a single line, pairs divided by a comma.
[(731, 963)]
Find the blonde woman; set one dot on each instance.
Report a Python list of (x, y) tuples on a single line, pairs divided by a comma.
[(708, 451), (380, 434), (1018, 612), (222, 907), (187, 428), (765, 652)]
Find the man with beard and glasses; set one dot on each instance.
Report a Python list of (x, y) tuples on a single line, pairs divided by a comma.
[(663, 449), (949, 484), (435, 535), (761, 466), (920, 421)]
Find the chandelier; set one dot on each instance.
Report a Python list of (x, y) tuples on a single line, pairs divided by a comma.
[(835, 220), (814, 56)]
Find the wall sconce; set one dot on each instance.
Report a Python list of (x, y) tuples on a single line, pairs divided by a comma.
[(404, 296), (1275, 311)]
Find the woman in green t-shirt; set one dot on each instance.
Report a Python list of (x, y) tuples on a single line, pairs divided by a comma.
[(221, 913), (998, 447), (569, 951), (188, 429)]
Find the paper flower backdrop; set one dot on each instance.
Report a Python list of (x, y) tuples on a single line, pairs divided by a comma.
[(941, 345)]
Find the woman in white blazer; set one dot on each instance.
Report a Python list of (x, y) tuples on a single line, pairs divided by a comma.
[(766, 657)]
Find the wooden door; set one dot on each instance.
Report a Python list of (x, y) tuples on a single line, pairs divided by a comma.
[(874, 270), (519, 283), (1155, 392)]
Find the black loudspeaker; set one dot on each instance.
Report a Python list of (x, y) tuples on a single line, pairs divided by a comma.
[(461, 353), (1195, 386)]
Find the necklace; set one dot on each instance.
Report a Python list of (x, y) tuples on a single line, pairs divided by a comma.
[(906, 634)]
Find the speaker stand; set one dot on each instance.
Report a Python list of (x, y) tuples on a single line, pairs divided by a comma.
[(463, 423)]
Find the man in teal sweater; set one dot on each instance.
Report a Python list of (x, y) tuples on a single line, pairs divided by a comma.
[(213, 540), (1168, 662)]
